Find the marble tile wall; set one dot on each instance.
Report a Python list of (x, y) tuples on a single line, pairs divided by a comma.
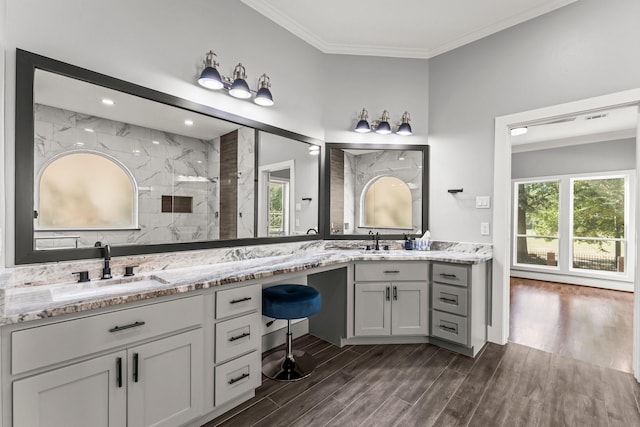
[(162, 164), (349, 193), (246, 182)]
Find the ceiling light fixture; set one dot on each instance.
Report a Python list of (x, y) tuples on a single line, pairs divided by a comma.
[(383, 126), (236, 85), (188, 122), (519, 131), (107, 101)]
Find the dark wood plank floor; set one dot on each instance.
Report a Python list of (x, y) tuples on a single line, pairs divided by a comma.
[(422, 385), (589, 324)]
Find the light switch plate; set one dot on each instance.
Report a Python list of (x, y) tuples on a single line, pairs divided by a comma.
[(484, 228), (483, 202)]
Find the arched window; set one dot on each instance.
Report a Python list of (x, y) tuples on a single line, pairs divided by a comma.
[(85, 190), (387, 202)]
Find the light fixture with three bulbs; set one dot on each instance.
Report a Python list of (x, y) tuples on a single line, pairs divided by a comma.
[(383, 126), (236, 85)]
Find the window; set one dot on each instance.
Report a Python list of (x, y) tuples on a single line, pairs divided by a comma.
[(537, 238), (387, 202), (278, 201), (85, 190), (574, 225), (598, 216)]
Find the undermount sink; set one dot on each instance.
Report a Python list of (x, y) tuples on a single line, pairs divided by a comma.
[(97, 288)]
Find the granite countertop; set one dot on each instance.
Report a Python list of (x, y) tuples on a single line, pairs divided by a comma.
[(23, 304)]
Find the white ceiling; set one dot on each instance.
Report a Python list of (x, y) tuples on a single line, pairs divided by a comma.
[(75, 95), (401, 28)]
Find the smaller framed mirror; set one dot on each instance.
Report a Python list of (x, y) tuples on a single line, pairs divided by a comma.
[(376, 189)]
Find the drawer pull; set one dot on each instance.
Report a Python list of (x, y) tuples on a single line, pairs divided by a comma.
[(449, 329), (236, 301), (135, 368), (119, 372), (240, 378), (239, 337), (450, 276), (449, 300), (129, 326), (392, 271)]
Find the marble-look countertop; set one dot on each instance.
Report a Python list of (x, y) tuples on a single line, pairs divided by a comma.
[(23, 304)]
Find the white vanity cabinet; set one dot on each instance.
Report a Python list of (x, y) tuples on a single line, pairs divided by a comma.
[(459, 306), (238, 342), (391, 298), (158, 382)]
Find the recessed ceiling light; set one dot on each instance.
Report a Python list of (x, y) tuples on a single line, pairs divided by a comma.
[(156, 142), (400, 158), (519, 131), (188, 122), (79, 144), (136, 151), (199, 161), (107, 101), (89, 130)]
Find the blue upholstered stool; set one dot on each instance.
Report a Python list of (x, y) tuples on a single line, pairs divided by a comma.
[(289, 302)]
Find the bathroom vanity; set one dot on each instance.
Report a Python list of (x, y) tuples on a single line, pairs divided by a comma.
[(182, 346)]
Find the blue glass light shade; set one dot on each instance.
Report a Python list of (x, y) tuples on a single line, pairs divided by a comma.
[(363, 126), (404, 129), (264, 97), (384, 128), (210, 78), (240, 89)]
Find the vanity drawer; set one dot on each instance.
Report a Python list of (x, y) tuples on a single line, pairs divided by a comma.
[(237, 336), (45, 345), (391, 271), (452, 299), (236, 301), (449, 327), (450, 273), (237, 377)]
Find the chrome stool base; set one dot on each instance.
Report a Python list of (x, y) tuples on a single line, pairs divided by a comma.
[(279, 367)]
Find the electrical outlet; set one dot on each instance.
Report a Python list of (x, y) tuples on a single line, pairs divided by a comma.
[(483, 202), (484, 228)]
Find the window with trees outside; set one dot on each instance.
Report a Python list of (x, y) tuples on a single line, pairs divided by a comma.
[(573, 223)]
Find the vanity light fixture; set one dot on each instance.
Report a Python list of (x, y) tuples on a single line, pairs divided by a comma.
[(519, 131), (314, 150), (383, 126), (236, 85)]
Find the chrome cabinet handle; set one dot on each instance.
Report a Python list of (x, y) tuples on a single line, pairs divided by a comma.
[(129, 326), (239, 337), (240, 378), (391, 271), (387, 293), (236, 301), (395, 293), (449, 300), (451, 276)]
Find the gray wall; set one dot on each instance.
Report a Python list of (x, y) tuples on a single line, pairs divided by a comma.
[(586, 49), (585, 158)]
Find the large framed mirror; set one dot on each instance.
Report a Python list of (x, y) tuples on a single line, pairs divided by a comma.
[(99, 159), (376, 189)]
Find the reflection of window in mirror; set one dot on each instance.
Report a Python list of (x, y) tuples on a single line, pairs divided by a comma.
[(387, 202), (86, 190), (278, 203)]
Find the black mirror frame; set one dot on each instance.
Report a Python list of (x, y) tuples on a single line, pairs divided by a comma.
[(326, 209), (25, 253)]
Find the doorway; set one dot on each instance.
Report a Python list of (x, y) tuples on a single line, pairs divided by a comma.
[(276, 207), (499, 330)]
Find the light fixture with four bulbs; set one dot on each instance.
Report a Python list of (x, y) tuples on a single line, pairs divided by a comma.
[(383, 126), (236, 85)]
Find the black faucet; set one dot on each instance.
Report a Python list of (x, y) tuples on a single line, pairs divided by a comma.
[(106, 271), (376, 238)]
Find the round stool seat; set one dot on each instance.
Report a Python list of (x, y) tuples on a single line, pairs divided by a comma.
[(290, 301)]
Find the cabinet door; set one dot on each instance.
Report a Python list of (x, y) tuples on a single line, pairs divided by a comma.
[(410, 308), (372, 309), (91, 393), (165, 381)]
